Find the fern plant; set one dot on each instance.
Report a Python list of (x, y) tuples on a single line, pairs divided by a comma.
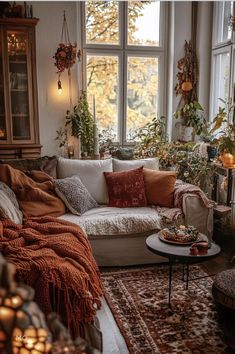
[(82, 124)]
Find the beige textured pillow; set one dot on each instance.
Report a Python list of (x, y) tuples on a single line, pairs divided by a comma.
[(9, 207)]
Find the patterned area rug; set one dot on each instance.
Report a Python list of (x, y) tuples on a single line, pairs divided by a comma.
[(138, 300)]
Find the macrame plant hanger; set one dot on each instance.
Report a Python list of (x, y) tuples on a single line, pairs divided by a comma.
[(65, 39)]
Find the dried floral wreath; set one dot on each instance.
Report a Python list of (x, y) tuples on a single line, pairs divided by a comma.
[(188, 74), (65, 56)]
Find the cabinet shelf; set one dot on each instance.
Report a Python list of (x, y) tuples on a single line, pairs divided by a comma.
[(20, 115), (18, 62), (19, 90)]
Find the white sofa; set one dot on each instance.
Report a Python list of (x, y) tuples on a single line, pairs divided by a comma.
[(117, 235)]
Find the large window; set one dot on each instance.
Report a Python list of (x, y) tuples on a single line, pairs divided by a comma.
[(223, 56), (124, 68)]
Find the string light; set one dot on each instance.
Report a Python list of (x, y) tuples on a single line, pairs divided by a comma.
[(59, 87)]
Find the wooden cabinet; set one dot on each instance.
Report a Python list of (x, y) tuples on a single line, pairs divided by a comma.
[(19, 130)]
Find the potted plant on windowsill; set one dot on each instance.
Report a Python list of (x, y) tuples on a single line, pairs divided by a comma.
[(192, 116), (82, 125)]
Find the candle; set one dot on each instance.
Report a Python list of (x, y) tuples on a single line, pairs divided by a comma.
[(70, 151), (96, 140), (94, 116)]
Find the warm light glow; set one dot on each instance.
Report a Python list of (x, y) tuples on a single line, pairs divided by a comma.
[(29, 343), (30, 332), (16, 301), (31, 340), (70, 151), (2, 133), (42, 332), (6, 314)]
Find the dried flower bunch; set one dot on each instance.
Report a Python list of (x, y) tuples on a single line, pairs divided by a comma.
[(65, 56), (188, 74)]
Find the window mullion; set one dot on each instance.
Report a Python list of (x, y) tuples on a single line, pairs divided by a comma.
[(123, 87)]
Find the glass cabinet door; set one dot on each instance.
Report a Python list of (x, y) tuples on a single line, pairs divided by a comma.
[(17, 45), (3, 130)]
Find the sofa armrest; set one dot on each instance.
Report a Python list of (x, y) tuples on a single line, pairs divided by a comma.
[(197, 214)]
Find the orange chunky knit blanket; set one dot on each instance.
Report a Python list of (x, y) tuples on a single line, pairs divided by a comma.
[(55, 258)]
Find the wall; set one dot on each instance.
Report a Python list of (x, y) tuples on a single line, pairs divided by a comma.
[(204, 35), (52, 107)]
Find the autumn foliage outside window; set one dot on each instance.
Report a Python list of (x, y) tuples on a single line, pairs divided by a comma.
[(123, 73)]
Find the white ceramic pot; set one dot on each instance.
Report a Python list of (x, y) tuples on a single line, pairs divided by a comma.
[(186, 133)]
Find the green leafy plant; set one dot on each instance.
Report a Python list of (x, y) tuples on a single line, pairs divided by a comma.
[(192, 114), (148, 138), (223, 129), (191, 166), (62, 137), (82, 124)]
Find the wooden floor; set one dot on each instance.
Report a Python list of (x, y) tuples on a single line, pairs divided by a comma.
[(224, 235)]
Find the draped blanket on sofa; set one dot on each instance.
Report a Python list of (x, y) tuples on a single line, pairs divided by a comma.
[(55, 258)]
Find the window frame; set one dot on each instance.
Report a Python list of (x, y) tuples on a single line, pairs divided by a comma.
[(214, 77), (220, 48), (217, 25), (123, 50)]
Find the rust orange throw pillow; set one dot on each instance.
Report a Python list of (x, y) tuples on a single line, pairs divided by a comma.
[(126, 188), (159, 187)]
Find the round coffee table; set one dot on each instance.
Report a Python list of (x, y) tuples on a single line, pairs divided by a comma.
[(179, 254)]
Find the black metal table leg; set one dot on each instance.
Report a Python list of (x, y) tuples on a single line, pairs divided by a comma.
[(187, 275), (183, 273), (170, 279)]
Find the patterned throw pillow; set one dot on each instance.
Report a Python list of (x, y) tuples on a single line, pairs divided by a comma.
[(75, 195), (9, 207), (126, 189)]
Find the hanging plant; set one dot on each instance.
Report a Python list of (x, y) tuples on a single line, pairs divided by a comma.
[(65, 56)]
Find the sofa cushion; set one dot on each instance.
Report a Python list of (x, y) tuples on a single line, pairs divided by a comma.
[(159, 187), (46, 164), (110, 221), (9, 207), (121, 165), (126, 188), (74, 194), (90, 173), (34, 198)]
